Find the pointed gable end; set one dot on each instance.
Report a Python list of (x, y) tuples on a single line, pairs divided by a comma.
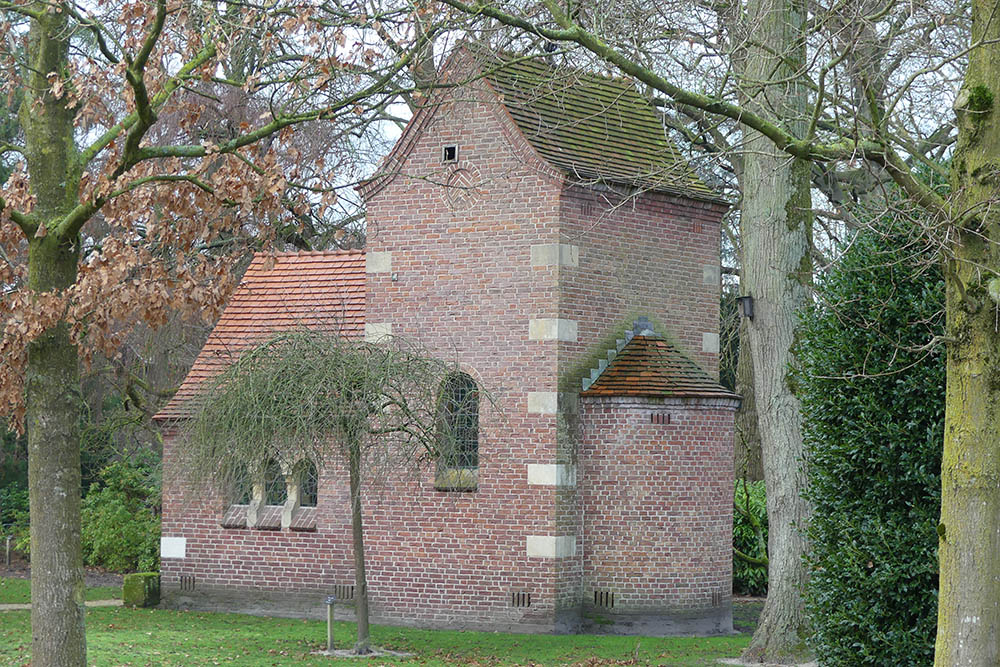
[(590, 128)]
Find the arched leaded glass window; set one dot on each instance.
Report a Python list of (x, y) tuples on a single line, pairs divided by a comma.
[(458, 421), (275, 487), (308, 480)]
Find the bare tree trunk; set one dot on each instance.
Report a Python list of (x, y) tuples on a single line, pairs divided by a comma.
[(54, 400), (969, 542), (52, 382), (748, 458), (363, 644), (776, 223)]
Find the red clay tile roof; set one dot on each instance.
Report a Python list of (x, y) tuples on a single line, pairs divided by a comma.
[(650, 366), (313, 289)]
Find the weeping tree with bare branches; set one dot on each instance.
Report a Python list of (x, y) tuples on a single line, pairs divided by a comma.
[(373, 409)]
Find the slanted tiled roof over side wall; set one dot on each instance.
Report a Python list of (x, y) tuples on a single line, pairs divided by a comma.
[(312, 289), (647, 365)]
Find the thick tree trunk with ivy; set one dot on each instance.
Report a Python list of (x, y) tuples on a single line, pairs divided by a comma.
[(969, 536), (363, 644), (776, 223), (52, 382)]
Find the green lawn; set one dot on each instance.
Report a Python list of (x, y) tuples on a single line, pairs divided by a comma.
[(119, 636), (18, 591)]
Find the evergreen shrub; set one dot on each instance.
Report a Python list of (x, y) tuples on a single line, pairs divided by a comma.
[(872, 394), (121, 525)]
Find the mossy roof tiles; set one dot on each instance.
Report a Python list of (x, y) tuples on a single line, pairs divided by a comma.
[(594, 128), (313, 289)]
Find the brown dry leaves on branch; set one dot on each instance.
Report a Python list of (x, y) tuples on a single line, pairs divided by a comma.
[(201, 132)]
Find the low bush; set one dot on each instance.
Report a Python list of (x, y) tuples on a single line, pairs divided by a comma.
[(872, 394), (749, 538), (121, 527)]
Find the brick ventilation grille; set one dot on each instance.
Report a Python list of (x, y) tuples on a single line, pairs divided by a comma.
[(187, 582), (520, 599), (605, 599), (343, 591), (659, 418)]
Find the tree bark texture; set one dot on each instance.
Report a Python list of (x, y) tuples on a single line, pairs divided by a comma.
[(776, 223), (969, 532), (52, 382), (748, 460), (52, 387), (363, 644)]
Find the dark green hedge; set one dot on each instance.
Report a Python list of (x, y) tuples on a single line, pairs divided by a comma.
[(873, 408)]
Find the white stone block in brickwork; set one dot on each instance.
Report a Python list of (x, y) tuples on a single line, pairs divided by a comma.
[(709, 274), (378, 262), (551, 328), (376, 331), (549, 546), (173, 547), (710, 343), (543, 402), (555, 254), (551, 474)]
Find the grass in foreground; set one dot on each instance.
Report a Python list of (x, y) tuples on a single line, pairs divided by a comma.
[(119, 636), (18, 591)]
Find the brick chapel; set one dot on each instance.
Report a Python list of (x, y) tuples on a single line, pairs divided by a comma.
[(537, 225)]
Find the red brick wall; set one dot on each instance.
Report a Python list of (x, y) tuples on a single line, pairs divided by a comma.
[(461, 283), (656, 502), (641, 255), (464, 286)]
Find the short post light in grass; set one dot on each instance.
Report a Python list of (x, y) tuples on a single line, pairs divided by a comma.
[(331, 601)]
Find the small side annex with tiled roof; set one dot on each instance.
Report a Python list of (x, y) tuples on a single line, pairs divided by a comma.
[(656, 445), (523, 220)]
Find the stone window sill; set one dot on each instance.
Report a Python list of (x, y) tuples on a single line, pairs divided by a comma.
[(457, 479)]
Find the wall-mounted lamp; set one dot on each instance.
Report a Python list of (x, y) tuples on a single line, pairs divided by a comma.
[(745, 304)]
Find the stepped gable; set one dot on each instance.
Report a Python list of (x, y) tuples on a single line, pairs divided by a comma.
[(323, 290), (646, 364)]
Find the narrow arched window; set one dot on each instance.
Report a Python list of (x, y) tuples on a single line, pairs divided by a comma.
[(458, 421), (308, 481), (275, 487)]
